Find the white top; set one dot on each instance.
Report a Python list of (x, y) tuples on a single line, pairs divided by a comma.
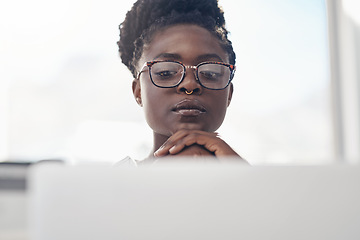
[(127, 161)]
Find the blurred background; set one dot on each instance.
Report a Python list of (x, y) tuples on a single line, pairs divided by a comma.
[(64, 93)]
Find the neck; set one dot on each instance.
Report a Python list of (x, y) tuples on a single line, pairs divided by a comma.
[(158, 140)]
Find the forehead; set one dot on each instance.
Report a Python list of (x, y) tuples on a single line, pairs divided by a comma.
[(187, 43)]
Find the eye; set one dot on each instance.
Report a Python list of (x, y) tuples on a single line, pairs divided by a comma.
[(210, 75), (165, 74), (162, 71)]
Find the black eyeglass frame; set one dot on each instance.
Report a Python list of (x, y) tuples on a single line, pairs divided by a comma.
[(231, 67)]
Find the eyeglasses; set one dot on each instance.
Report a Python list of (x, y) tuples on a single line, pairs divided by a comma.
[(211, 75)]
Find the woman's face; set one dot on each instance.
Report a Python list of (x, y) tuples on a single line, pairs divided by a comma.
[(168, 110)]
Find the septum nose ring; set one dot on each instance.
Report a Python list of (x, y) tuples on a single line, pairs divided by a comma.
[(189, 93)]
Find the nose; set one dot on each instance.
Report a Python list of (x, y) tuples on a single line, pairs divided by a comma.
[(189, 84)]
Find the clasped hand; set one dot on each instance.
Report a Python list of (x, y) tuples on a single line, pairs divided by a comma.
[(195, 143)]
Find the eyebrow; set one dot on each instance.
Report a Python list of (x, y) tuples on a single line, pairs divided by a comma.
[(172, 56), (204, 57)]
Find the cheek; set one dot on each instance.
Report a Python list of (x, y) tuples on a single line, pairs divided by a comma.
[(154, 105), (218, 110), (149, 99)]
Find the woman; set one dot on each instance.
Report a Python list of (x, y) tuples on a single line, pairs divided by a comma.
[(182, 64)]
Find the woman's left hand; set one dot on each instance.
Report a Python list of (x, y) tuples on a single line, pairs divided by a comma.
[(184, 138)]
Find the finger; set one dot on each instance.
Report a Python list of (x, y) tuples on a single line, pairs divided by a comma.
[(174, 140), (210, 141), (194, 138)]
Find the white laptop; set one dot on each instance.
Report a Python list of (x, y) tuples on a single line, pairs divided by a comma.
[(194, 201)]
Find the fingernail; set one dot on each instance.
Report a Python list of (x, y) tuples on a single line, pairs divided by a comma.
[(171, 149), (156, 154), (157, 151)]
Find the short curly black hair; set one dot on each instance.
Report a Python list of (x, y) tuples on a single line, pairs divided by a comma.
[(148, 16)]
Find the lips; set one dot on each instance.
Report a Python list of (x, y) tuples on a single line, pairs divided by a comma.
[(190, 108)]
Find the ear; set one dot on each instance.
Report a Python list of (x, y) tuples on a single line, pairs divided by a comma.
[(137, 91), (231, 90)]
